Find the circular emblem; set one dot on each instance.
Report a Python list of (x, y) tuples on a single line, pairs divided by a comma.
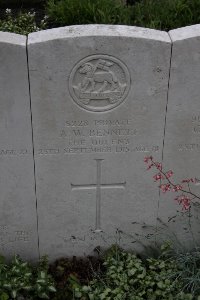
[(99, 83)]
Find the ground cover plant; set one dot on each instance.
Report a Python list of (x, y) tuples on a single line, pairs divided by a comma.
[(165, 14), (21, 23), (20, 280), (127, 276), (116, 275), (157, 14), (68, 12), (72, 273)]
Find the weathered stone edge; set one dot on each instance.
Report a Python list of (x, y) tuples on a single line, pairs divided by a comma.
[(102, 30), (184, 33), (12, 38), (98, 30)]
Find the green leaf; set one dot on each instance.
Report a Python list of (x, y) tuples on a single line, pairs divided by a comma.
[(41, 281), (4, 296), (44, 296), (51, 288), (42, 274), (14, 294)]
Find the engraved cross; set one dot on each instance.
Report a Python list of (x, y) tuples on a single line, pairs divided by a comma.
[(98, 186)]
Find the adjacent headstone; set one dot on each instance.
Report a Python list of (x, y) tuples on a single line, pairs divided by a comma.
[(99, 97), (182, 138), (18, 221)]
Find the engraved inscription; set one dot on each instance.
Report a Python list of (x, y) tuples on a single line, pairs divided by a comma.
[(12, 152), (48, 151), (98, 186), (98, 136), (9, 236), (99, 83), (196, 124), (189, 147), (194, 146)]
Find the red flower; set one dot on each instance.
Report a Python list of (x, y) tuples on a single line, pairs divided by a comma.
[(184, 201), (165, 187), (158, 176), (169, 174), (186, 204), (147, 159), (177, 188)]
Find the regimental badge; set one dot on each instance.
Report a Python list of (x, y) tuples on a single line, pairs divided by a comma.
[(99, 83)]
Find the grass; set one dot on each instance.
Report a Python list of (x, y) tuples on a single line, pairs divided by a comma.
[(71, 12), (165, 14), (156, 14)]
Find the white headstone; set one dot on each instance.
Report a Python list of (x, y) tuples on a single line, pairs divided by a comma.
[(182, 138), (18, 221), (99, 96)]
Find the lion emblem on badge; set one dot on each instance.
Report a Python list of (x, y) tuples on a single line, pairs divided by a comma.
[(99, 83)]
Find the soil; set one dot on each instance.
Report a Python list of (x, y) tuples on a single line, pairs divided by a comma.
[(82, 268), (71, 272)]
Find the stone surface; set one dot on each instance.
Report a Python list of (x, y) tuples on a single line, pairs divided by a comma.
[(99, 97), (18, 221), (182, 138)]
